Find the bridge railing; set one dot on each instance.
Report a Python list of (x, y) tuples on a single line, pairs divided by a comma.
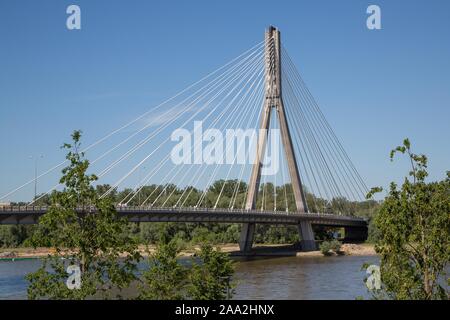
[(33, 209), (22, 208)]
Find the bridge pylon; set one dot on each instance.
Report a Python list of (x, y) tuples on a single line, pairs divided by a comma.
[(274, 103)]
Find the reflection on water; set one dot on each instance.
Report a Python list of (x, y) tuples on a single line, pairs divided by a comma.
[(271, 278)]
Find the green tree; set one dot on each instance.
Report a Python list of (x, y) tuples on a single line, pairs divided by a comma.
[(413, 226), (95, 240), (210, 278), (166, 277)]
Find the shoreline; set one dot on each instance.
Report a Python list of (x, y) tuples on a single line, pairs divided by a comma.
[(348, 249)]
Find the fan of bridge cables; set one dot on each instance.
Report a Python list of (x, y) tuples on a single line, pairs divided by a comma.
[(197, 148), (325, 167)]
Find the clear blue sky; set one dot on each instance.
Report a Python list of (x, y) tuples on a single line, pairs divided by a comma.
[(375, 87)]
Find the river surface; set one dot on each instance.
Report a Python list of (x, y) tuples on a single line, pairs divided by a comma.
[(268, 278)]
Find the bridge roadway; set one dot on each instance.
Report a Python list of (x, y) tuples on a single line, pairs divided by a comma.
[(31, 214)]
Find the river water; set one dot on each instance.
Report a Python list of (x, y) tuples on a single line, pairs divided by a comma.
[(264, 278)]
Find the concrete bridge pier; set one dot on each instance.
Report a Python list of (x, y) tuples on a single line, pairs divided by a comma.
[(306, 231), (247, 237)]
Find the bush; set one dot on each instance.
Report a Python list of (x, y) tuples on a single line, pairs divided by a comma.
[(328, 247), (325, 248), (165, 279), (210, 277)]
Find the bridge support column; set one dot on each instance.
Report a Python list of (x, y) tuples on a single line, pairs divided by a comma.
[(307, 236), (247, 236)]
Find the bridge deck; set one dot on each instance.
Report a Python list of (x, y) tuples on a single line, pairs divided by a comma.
[(31, 214)]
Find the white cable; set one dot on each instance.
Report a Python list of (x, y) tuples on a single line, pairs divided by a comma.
[(147, 139), (236, 191), (199, 144), (129, 123), (191, 182), (275, 176), (137, 146), (239, 147), (231, 70), (142, 161), (285, 186), (243, 117), (229, 104), (168, 157), (210, 180), (212, 99), (223, 112)]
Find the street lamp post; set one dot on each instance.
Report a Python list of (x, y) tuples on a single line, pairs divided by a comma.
[(35, 172)]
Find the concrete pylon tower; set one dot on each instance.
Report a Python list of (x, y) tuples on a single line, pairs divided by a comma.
[(274, 102)]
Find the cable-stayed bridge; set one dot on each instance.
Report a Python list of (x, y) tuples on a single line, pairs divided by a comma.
[(245, 144)]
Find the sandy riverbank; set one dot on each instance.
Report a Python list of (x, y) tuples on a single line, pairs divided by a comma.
[(233, 249), (144, 250), (348, 249)]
